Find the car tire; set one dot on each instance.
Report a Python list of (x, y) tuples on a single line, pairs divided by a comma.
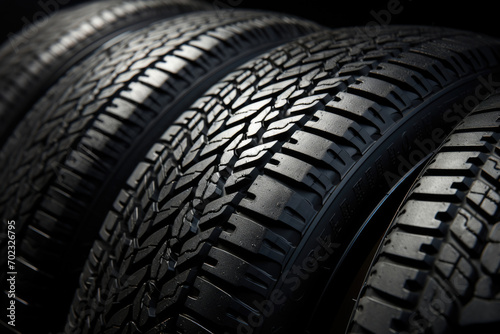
[(34, 58), (437, 268), (72, 153), (237, 216)]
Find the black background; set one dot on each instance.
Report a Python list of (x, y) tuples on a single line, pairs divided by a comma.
[(479, 16)]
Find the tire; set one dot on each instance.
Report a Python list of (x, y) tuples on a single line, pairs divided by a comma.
[(33, 59), (74, 150), (438, 269), (236, 217)]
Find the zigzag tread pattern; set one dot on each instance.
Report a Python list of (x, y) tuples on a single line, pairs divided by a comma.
[(442, 252), (203, 193), (105, 106), (32, 57)]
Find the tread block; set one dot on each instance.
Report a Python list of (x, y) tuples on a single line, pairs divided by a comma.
[(338, 127), (435, 307), (450, 188), (309, 104), (361, 109), (408, 79), (486, 199), (385, 315), (481, 122), (490, 258), (218, 142), (283, 128), (433, 68), (389, 93), (457, 163), (248, 111), (281, 205), (411, 247), (207, 297), (255, 238), (404, 282), (429, 217), (491, 171), (242, 273), (194, 173), (320, 150), (256, 155), (472, 141), (300, 172), (470, 231)]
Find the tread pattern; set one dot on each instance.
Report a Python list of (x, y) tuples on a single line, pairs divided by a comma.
[(75, 154), (220, 202), (439, 267), (33, 59)]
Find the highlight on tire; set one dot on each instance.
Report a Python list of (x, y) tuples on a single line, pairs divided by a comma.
[(235, 219), (33, 59), (438, 268), (74, 150)]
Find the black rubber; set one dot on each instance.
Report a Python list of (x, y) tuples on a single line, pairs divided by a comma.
[(34, 58), (73, 152), (243, 206), (438, 269)]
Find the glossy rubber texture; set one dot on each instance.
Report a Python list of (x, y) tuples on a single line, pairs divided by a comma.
[(242, 206), (75, 149), (438, 268)]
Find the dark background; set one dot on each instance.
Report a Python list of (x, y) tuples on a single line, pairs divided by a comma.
[(479, 15)]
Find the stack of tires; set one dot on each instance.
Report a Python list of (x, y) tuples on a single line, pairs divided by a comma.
[(171, 167)]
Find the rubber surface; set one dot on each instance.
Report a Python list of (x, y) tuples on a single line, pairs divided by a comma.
[(75, 149), (36, 57), (230, 213), (439, 266)]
